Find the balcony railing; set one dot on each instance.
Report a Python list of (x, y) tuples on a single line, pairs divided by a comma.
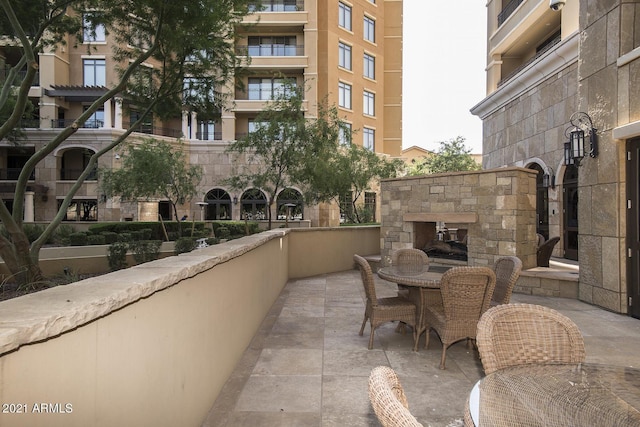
[(540, 53), (156, 130), (89, 124), (20, 77), (508, 10), (209, 136), (12, 174), (279, 6), (270, 50)]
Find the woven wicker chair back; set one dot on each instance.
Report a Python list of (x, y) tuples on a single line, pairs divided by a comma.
[(507, 271), (410, 258), (518, 334), (367, 279), (388, 399), (466, 293)]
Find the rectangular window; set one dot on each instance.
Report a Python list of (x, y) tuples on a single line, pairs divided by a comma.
[(345, 137), (254, 125), (344, 16), (344, 55), (369, 29), (369, 66), (92, 32), (369, 103), (95, 73), (370, 205), (344, 95), (81, 210), (206, 130), (266, 89), (272, 46), (368, 139), (96, 120)]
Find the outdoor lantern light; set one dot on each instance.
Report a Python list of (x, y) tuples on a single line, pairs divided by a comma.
[(568, 160), (548, 179), (235, 200), (575, 149)]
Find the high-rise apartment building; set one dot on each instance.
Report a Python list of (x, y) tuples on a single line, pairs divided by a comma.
[(556, 70), (347, 52)]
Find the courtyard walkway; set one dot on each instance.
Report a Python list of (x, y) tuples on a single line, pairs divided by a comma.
[(307, 365)]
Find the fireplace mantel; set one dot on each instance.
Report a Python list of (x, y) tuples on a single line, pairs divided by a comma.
[(454, 217)]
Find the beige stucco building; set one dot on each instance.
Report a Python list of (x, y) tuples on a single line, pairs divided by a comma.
[(551, 72), (349, 52)]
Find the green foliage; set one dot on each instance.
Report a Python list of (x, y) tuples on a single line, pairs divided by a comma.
[(184, 245), (223, 232), (109, 237), (145, 250), (96, 239), (153, 169), (185, 39), (452, 156), (33, 231), (62, 233), (212, 241), (78, 239), (117, 256)]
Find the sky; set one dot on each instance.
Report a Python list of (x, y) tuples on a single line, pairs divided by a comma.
[(444, 60)]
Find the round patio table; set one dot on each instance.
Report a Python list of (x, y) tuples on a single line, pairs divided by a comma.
[(423, 286), (582, 394)]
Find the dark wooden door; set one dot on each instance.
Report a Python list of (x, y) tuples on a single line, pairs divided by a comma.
[(633, 226), (570, 205)]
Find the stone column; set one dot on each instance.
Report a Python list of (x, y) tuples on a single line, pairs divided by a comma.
[(118, 114), (107, 115), (29, 211)]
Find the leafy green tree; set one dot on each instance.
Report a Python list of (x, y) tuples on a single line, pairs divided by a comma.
[(452, 156), (153, 169), (191, 41), (351, 171), (284, 147)]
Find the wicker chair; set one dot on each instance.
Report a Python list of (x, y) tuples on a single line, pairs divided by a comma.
[(518, 334), (388, 399), (466, 294), (382, 310), (413, 260), (545, 250), (507, 271)]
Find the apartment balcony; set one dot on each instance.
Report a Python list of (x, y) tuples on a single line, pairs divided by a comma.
[(279, 13), (12, 174), (274, 56)]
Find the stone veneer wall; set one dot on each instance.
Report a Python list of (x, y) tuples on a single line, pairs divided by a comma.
[(497, 206)]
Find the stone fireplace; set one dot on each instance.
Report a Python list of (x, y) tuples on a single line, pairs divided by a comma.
[(494, 208)]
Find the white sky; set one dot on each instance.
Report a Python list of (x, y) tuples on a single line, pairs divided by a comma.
[(444, 62)]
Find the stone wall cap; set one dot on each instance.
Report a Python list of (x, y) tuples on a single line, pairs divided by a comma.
[(480, 172)]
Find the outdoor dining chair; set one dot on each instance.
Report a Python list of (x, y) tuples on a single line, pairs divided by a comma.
[(382, 310), (466, 294), (388, 399), (507, 271), (411, 259), (519, 334)]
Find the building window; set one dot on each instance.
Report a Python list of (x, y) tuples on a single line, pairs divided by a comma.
[(273, 46), (146, 124), (92, 32), (81, 210), (345, 134), (96, 120), (368, 141), (275, 6), (344, 55), (344, 95), (267, 88), (369, 103), (95, 72), (344, 16), (369, 206), (254, 125), (369, 29), (206, 131), (369, 66)]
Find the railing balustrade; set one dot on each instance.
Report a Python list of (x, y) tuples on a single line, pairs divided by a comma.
[(278, 6), (270, 50), (12, 174), (508, 10)]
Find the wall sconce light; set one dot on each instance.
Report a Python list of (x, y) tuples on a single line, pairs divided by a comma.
[(549, 179), (103, 198), (575, 149), (235, 200)]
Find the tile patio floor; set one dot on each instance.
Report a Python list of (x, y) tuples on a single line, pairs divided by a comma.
[(307, 365)]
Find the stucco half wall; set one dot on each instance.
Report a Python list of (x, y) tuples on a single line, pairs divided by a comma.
[(153, 344)]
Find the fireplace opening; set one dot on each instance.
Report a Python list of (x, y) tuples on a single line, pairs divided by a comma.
[(440, 240)]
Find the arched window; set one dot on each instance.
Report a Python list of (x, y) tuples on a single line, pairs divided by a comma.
[(218, 205), (254, 204), (73, 163), (290, 202)]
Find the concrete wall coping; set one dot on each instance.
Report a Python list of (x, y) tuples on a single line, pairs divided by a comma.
[(449, 174), (46, 314)]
